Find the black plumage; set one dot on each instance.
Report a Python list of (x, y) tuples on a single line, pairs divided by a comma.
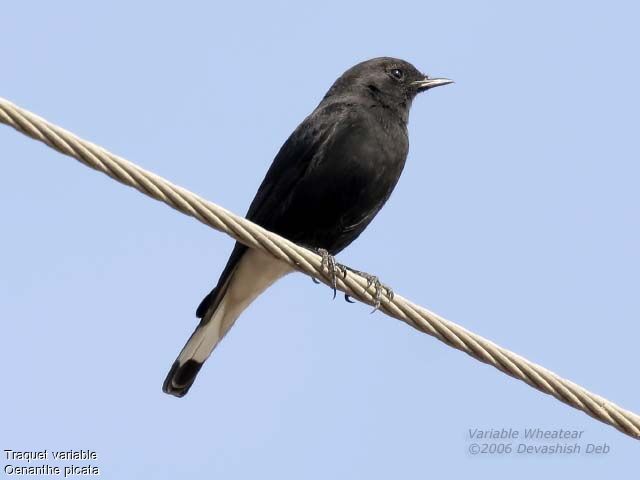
[(325, 185)]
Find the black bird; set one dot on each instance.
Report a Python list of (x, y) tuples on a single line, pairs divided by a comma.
[(327, 182)]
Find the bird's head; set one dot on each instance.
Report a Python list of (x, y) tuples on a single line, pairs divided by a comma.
[(388, 81)]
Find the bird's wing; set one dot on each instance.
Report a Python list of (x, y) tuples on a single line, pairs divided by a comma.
[(289, 166), (296, 156)]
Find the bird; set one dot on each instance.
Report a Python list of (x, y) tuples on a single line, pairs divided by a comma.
[(326, 184)]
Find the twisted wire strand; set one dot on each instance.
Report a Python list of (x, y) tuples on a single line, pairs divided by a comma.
[(310, 263)]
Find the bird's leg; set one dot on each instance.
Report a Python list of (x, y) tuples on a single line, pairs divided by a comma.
[(333, 268), (377, 285)]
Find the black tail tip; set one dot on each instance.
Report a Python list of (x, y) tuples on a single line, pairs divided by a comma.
[(181, 377)]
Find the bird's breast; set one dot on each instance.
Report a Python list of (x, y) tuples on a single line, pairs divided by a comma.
[(353, 177)]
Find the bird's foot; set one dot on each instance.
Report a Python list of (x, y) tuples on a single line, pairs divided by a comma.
[(333, 268), (378, 286)]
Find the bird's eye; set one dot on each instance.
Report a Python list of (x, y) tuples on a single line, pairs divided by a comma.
[(397, 73)]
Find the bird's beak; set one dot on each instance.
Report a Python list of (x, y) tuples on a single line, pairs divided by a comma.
[(426, 83)]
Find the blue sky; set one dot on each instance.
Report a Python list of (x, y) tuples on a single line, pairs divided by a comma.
[(516, 216)]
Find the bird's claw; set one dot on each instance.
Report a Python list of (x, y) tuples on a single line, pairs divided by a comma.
[(333, 268), (378, 286)]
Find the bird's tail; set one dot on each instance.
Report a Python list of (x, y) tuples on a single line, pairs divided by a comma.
[(254, 272), (201, 343)]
